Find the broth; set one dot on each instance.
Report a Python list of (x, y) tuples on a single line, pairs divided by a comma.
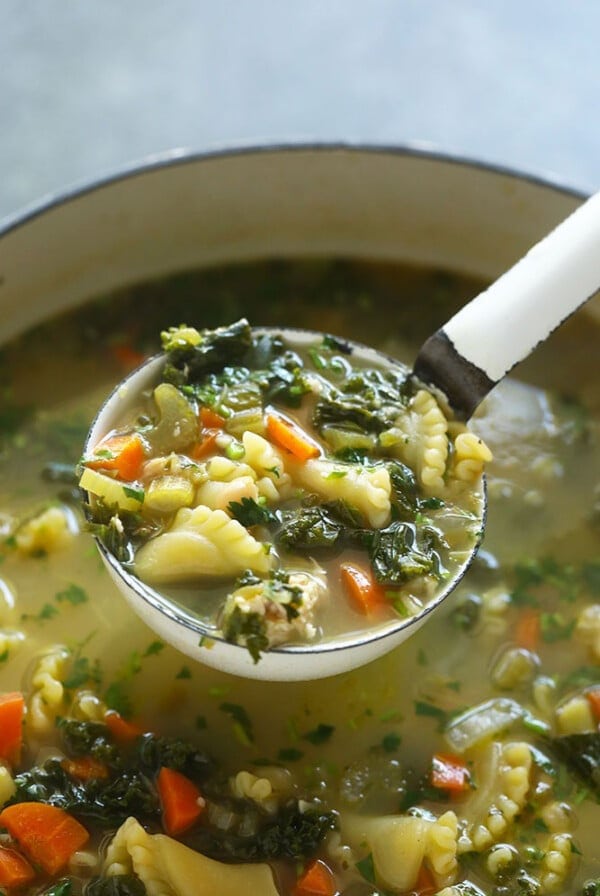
[(362, 742)]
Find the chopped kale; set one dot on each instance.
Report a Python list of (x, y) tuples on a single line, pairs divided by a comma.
[(396, 556), (328, 525), (319, 735), (106, 802), (310, 528), (292, 834), (154, 752), (404, 489), (118, 885), (367, 399), (189, 359), (581, 755), (335, 344), (249, 512), (88, 739), (241, 718), (246, 628)]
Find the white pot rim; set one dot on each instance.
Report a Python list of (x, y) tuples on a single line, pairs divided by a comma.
[(184, 156)]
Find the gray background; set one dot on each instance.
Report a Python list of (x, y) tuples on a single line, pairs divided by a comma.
[(87, 86)]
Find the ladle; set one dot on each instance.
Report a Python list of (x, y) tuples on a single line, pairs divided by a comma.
[(465, 359)]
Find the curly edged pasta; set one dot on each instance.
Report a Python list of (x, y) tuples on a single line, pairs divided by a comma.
[(419, 437), (504, 775), (368, 489), (201, 542), (400, 844), (47, 698), (168, 868)]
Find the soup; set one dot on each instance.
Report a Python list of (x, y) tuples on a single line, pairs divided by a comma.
[(464, 762), (283, 491)]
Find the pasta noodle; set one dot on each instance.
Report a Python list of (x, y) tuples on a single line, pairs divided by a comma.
[(201, 542)]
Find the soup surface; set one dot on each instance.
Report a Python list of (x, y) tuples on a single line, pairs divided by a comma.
[(467, 761)]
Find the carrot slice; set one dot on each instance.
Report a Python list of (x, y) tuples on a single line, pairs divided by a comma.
[(85, 768), (207, 446), (48, 835), (210, 419), (15, 870), (366, 594), (122, 453), (291, 437), (425, 884), (181, 801), (12, 706), (593, 697), (450, 773), (527, 630), (317, 880), (123, 732)]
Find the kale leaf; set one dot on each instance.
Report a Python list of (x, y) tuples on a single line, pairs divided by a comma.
[(291, 834), (396, 556), (249, 512), (249, 629), (89, 739), (187, 362), (580, 753), (328, 525), (405, 499), (154, 751), (108, 802), (368, 400)]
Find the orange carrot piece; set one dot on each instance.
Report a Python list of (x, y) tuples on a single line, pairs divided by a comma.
[(425, 884), (181, 801), (366, 594), (207, 446), (123, 732), (12, 706), (289, 436), (317, 880), (85, 768), (593, 697), (48, 835), (124, 454), (450, 773), (527, 629), (15, 870), (210, 419), (127, 357)]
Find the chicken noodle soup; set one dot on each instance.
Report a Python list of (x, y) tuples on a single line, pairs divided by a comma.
[(309, 493), (464, 763)]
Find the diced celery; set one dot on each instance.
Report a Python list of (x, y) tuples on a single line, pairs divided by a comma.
[(482, 722), (177, 426), (338, 438), (112, 491), (168, 493), (251, 419)]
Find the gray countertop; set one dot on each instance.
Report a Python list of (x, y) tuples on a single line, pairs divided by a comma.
[(88, 86)]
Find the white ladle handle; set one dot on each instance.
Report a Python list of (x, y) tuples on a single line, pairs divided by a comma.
[(503, 324)]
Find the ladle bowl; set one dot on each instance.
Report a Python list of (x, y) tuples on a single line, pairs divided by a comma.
[(190, 634), (464, 359)]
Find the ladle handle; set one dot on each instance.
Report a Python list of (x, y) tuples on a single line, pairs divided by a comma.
[(503, 324)]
